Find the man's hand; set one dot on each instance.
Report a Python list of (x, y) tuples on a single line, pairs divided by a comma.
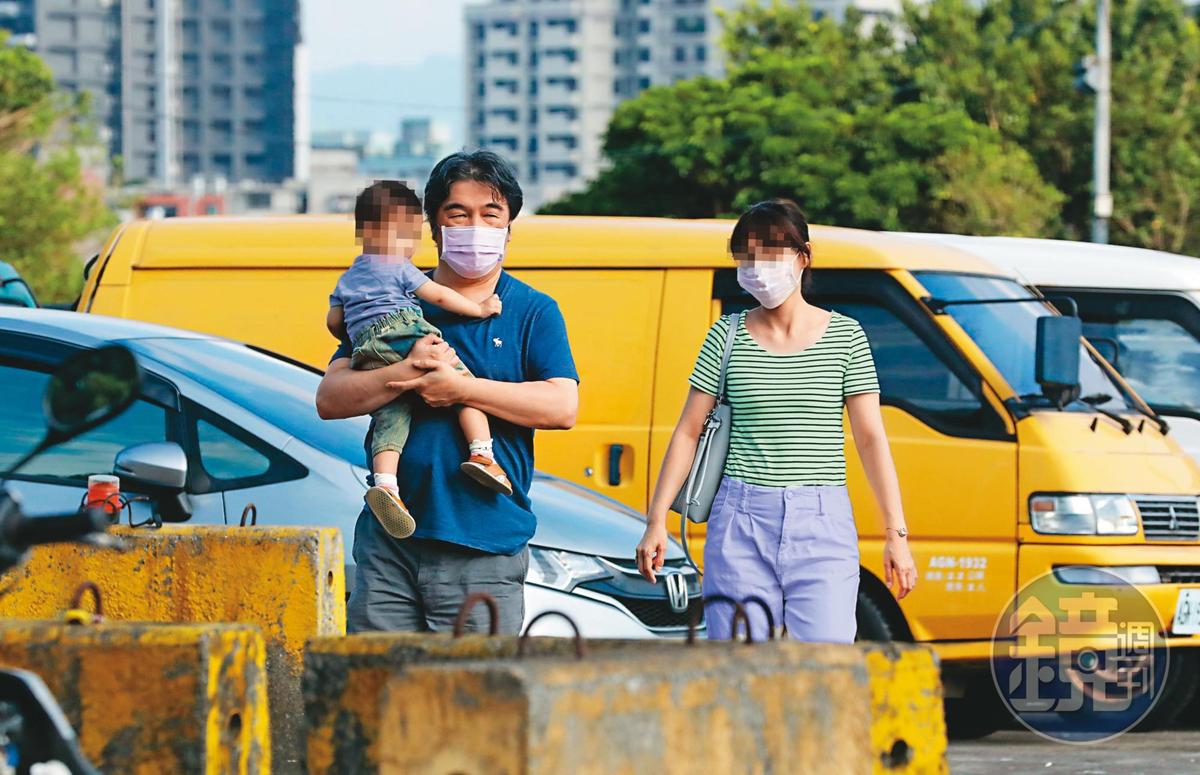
[(433, 348), (441, 385)]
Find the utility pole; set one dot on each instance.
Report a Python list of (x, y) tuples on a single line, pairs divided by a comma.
[(1102, 203)]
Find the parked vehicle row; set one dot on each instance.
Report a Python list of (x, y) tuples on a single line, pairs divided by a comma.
[(219, 424), (1007, 475)]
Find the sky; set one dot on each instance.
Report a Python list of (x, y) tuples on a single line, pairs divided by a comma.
[(372, 62)]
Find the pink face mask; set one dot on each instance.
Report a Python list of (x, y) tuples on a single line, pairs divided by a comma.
[(473, 251)]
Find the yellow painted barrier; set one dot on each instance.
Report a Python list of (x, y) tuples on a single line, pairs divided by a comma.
[(288, 581), (148, 699), (345, 678)]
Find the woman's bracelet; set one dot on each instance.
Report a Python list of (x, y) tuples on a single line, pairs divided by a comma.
[(900, 531)]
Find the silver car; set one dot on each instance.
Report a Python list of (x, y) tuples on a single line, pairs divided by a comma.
[(221, 424)]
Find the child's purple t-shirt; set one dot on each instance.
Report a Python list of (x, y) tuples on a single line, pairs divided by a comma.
[(375, 286)]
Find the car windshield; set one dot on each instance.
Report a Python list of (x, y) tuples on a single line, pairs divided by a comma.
[(277, 391), (1007, 334)]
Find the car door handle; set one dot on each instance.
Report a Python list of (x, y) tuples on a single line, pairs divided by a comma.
[(615, 452)]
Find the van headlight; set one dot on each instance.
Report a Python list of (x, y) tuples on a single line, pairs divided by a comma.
[(563, 570), (1083, 514)]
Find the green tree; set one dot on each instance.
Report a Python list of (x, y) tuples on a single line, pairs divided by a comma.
[(820, 112), (46, 207), (1009, 64)]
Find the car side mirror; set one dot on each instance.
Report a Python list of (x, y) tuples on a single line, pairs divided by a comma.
[(160, 469), (159, 465), (1057, 357)]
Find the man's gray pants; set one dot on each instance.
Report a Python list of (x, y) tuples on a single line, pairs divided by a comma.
[(418, 585)]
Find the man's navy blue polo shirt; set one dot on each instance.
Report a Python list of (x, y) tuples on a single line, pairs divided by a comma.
[(526, 343)]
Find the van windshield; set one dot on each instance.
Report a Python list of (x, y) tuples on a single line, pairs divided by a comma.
[(1007, 334), (277, 391)]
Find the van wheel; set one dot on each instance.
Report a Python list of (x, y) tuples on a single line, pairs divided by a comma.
[(874, 624), (1183, 683), (978, 713)]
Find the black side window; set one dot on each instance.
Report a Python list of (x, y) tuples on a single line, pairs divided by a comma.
[(230, 458), (919, 371), (1152, 339)]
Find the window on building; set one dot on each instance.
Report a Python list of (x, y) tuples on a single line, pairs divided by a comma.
[(533, 82), (689, 24), (478, 32), (701, 53), (680, 54), (643, 55), (565, 111), (533, 116), (569, 25), (221, 32), (568, 141), (533, 144), (533, 30), (643, 25), (568, 83), (643, 83), (506, 83)]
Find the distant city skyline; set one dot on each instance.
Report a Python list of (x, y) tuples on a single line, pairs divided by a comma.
[(375, 62)]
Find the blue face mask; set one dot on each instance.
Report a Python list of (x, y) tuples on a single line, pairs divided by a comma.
[(473, 251)]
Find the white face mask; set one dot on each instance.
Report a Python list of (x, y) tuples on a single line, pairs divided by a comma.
[(473, 251), (771, 283)]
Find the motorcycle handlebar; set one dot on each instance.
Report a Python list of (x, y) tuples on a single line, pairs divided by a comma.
[(31, 531)]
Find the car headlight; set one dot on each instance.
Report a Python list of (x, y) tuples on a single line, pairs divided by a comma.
[(1083, 514), (563, 570), (1107, 574)]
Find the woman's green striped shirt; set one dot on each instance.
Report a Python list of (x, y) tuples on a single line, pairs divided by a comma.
[(787, 409)]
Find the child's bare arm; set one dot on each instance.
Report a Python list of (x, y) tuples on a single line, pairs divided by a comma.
[(453, 301), (335, 321)]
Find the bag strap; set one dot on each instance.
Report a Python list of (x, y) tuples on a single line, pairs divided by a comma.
[(734, 322)]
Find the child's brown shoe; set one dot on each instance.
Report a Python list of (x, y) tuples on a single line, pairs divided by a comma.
[(391, 512), (487, 473)]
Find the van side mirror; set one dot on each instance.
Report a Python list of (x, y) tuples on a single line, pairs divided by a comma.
[(1109, 349), (1057, 357)]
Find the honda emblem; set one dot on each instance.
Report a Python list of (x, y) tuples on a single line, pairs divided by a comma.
[(677, 592)]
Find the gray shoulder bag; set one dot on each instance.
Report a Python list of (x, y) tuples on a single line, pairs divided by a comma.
[(695, 499)]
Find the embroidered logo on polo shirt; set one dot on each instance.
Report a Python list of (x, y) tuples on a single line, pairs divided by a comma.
[(497, 341)]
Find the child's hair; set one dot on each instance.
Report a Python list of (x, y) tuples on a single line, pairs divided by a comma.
[(381, 199)]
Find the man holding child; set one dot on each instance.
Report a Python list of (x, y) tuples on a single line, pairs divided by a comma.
[(468, 537)]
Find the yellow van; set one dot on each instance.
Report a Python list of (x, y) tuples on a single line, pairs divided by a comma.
[(977, 451)]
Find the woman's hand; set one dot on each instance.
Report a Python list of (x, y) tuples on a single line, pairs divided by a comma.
[(652, 550), (899, 570)]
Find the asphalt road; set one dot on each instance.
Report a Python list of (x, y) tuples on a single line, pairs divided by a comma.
[(1012, 751)]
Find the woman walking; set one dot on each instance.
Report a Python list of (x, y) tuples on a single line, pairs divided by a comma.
[(781, 527)]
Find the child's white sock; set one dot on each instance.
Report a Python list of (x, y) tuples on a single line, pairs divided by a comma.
[(387, 482), (483, 448)]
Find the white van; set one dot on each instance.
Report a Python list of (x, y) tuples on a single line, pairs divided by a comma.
[(1140, 308)]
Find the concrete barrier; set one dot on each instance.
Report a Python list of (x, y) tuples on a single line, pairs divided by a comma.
[(153, 698), (716, 709), (288, 581), (345, 678)]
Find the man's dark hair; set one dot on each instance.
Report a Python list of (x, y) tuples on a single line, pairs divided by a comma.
[(481, 166), (381, 199)]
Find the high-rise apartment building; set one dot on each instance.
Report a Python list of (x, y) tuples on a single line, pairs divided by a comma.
[(544, 76), (183, 90)]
